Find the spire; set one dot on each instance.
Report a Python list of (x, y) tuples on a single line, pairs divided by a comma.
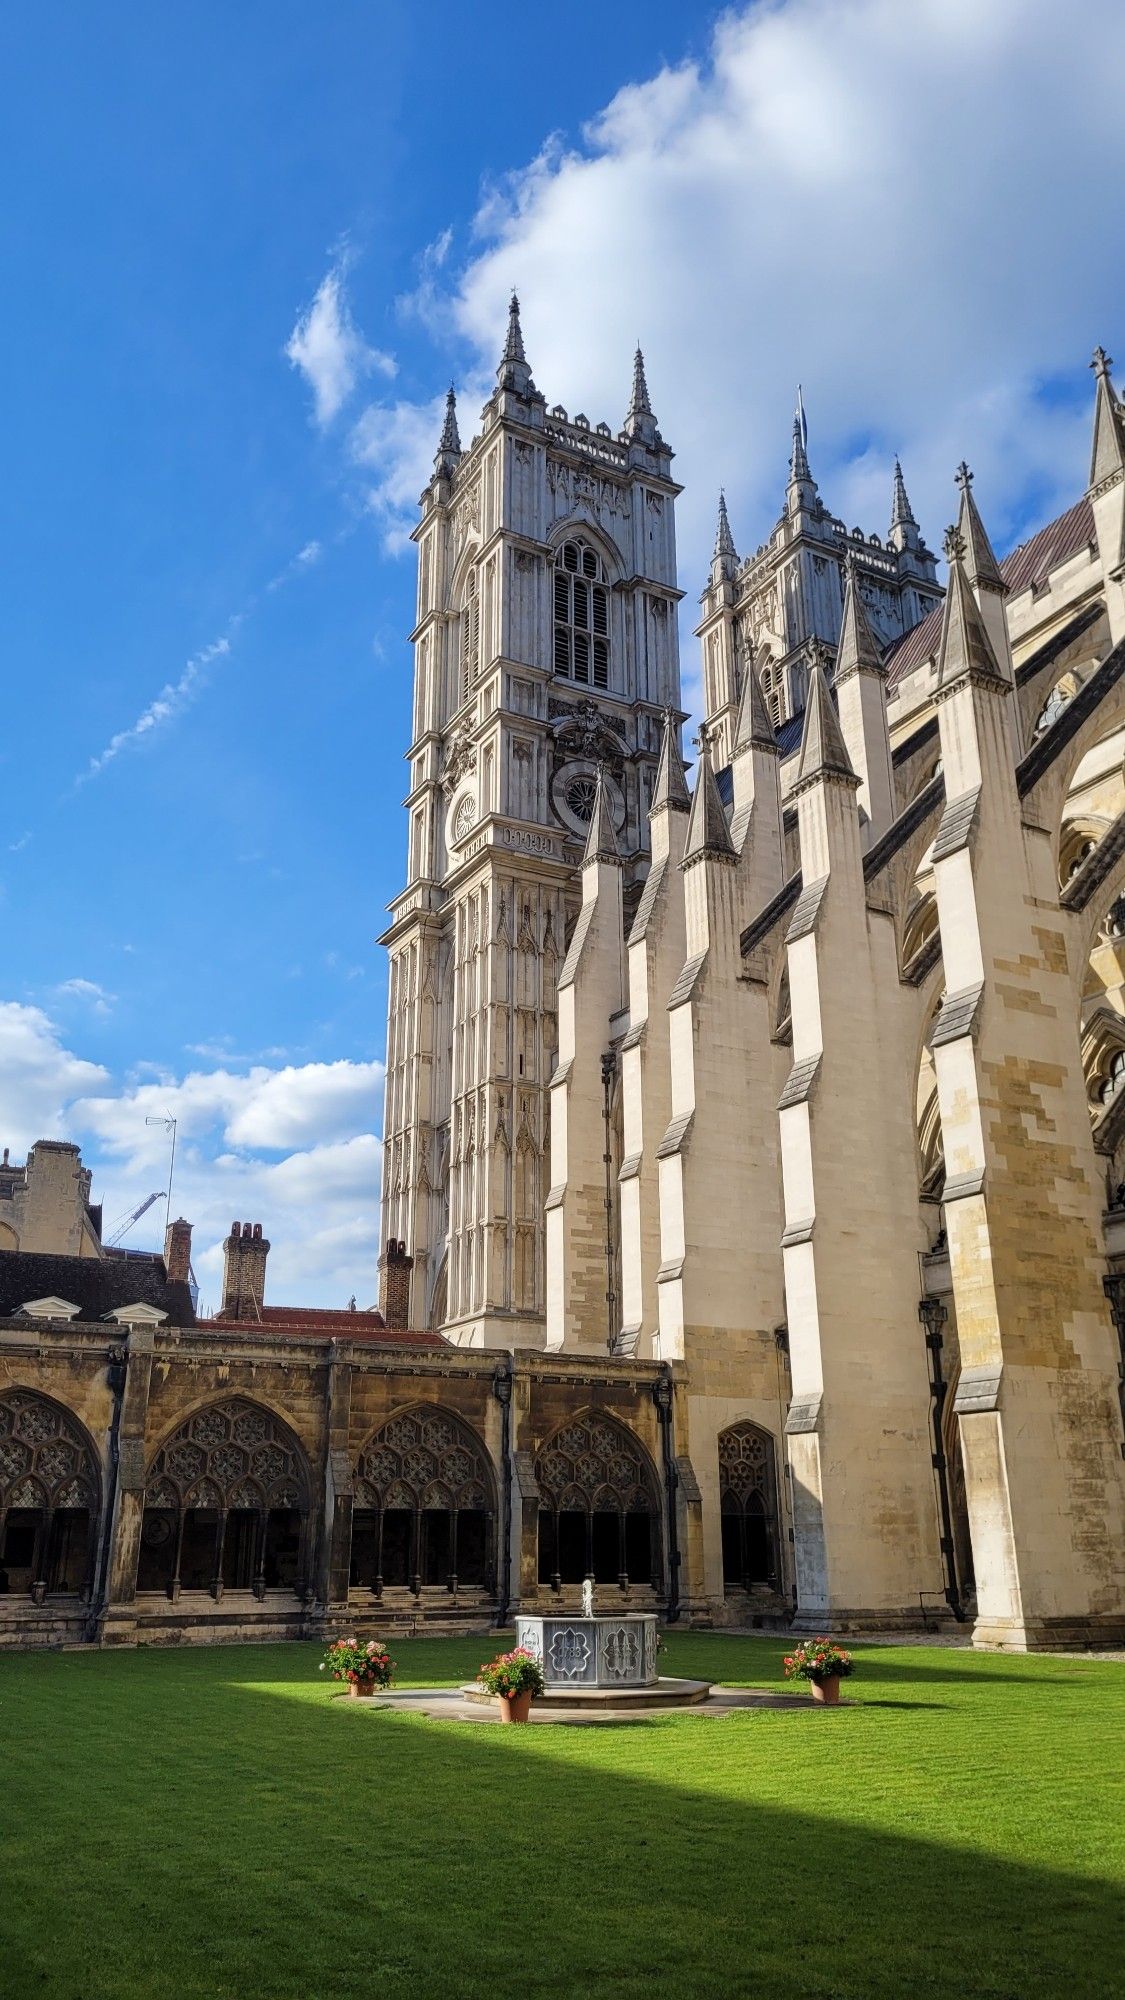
[(724, 540), (513, 372), (901, 515), (752, 723), (601, 841), (858, 651), (1108, 454), (801, 493), (708, 832), (965, 647), (670, 792), (639, 420), (981, 565), (823, 750), (449, 444)]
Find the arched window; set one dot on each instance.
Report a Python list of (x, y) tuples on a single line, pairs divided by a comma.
[(748, 1506), (581, 650), (597, 1506), (1115, 1077), (227, 1505), (424, 1508), (470, 635), (50, 1498)]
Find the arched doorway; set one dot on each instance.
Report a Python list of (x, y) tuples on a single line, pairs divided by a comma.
[(598, 1505), (748, 1507), (227, 1505), (424, 1506), (50, 1499)]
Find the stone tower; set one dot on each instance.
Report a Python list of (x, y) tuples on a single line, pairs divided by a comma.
[(545, 653)]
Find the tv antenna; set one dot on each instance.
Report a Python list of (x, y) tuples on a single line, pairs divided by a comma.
[(169, 1123)]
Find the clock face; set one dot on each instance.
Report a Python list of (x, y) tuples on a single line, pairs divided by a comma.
[(464, 820), (573, 791)]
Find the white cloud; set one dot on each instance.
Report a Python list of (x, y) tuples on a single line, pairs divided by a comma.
[(327, 348), (38, 1078), (17, 846), (89, 991), (173, 699), (294, 1148), (908, 209)]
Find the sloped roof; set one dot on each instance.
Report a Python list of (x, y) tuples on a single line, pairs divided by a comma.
[(321, 1322), (96, 1285), (1026, 567)]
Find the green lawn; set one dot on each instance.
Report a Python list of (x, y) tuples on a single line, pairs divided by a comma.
[(195, 1825)]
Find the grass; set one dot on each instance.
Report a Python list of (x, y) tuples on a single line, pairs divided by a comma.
[(219, 1825)]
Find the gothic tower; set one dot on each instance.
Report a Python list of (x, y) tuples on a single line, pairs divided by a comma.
[(545, 653)]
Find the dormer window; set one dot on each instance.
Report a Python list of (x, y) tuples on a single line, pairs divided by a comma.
[(581, 645)]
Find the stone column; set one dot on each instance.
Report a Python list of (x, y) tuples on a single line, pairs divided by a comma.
[(118, 1624), (333, 1584)]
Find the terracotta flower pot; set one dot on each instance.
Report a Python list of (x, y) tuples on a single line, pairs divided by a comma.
[(827, 1691), (515, 1707), (359, 1689)]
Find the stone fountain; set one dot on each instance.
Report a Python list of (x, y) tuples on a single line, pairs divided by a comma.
[(591, 1654)]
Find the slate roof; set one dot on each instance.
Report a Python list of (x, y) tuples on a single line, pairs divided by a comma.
[(1027, 567), (96, 1285)]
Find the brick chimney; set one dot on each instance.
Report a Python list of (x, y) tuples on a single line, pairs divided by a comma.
[(244, 1271), (177, 1251), (394, 1286)]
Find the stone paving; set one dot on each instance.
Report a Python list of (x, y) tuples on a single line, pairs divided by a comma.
[(451, 1705)]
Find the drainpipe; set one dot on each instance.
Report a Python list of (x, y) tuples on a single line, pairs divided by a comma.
[(502, 1390), (933, 1316), (115, 1375), (662, 1393)]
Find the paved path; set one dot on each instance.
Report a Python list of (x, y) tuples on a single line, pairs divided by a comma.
[(449, 1705)]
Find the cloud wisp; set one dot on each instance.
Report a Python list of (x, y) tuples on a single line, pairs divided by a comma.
[(328, 350)]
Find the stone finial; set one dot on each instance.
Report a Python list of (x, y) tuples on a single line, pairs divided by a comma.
[(513, 372), (708, 832), (601, 840), (824, 754), (670, 792), (953, 544), (724, 549), (798, 456), (981, 566), (901, 515), (1107, 457), (858, 651), (640, 423), (1101, 363), (449, 444)]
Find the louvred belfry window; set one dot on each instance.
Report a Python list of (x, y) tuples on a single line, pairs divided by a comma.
[(581, 643), (470, 635)]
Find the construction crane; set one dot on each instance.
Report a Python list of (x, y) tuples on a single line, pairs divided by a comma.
[(123, 1228)]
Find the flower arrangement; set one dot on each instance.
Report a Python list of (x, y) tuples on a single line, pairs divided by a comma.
[(818, 1660), (367, 1665), (514, 1673)]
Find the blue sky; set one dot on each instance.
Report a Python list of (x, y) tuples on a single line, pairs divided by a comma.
[(246, 249)]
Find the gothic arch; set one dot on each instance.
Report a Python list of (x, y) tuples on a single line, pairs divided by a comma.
[(424, 1504), (227, 1503), (50, 1496), (748, 1508), (580, 527), (599, 1508)]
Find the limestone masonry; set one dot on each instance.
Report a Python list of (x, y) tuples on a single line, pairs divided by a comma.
[(753, 1204)]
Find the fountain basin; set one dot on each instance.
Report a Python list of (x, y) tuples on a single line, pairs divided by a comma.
[(585, 1654)]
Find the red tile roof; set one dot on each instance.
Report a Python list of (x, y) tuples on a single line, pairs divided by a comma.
[(1028, 566), (311, 1322)]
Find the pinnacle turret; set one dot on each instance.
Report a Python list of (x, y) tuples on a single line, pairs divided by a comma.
[(601, 840), (901, 514), (724, 540), (965, 645), (670, 792), (858, 651), (449, 444), (1108, 454), (801, 493), (708, 832), (513, 372), (752, 723), (981, 566), (824, 754), (639, 421)]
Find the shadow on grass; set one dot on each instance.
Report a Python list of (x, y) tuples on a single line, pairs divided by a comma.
[(197, 1827)]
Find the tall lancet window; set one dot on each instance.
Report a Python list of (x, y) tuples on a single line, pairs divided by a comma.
[(581, 616), (470, 635)]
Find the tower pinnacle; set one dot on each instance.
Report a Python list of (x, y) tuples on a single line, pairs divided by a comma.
[(449, 444), (513, 372), (981, 565), (708, 832), (639, 421)]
